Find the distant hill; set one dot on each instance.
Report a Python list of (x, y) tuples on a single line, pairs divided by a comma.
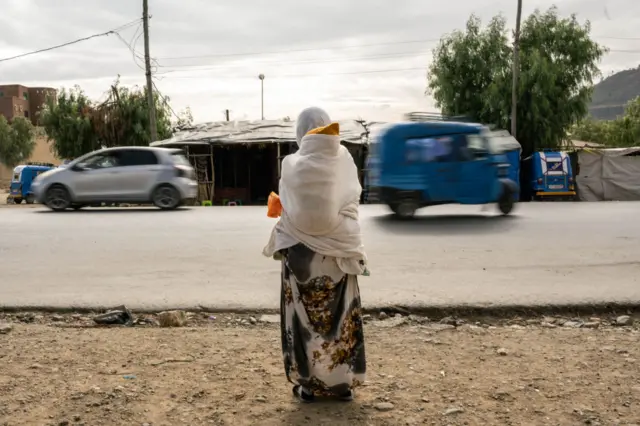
[(612, 94)]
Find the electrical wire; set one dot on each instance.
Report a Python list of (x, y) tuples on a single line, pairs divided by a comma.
[(276, 52), (390, 70), (193, 68), (113, 31)]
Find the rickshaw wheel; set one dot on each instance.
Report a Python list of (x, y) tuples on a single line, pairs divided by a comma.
[(506, 203), (30, 199), (17, 201), (404, 209)]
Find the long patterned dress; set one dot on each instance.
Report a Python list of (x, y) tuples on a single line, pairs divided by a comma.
[(321, 323)]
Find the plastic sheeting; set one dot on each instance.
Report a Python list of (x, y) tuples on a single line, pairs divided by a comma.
[(245, 132), (609, 175)]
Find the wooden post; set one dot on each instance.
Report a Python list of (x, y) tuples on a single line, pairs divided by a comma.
[(516, 70), (147, 65)]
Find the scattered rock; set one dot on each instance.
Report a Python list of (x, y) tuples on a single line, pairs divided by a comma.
[(384, 406), (367, 317), (453, 410), (502, 352), (383, 315), (5, 328), (270, 319), (546, 324), (253, 320), (35, 366), (440, 327), (172, 319), (572, 324), (418, 319), (261, 398), (623, 320), (57, 318), (449, 321), (391, 322)]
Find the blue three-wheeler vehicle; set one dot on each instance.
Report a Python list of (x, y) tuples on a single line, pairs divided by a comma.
[(418, 164)]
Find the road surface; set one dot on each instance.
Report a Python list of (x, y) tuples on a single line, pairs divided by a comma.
[(546, 253)]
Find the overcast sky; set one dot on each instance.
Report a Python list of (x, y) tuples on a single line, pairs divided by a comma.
[(355, 58)]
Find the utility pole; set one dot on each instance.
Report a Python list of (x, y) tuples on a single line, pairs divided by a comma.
[(147, 65), (516, 70), (226, 114), (261, 77)]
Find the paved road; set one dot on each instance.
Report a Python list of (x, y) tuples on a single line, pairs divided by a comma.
[(554, 253)]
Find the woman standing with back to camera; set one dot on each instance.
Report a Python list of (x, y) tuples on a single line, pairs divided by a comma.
[(319, 243)]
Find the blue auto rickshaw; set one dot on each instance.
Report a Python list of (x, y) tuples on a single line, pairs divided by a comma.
[(22, 179), (552, 176), (418, 164)]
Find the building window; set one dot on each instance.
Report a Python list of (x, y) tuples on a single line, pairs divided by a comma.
[(1, 94), (25, 95), (26, 114)]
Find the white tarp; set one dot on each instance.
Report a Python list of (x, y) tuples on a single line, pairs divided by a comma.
[(239, 132), (609, 175)]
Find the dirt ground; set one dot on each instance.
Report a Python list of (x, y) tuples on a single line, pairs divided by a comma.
[(226, 370)]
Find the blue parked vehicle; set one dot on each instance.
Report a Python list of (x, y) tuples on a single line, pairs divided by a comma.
[(552, 176), (22, 179), (419, 164)]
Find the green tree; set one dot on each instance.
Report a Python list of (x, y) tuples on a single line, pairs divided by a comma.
[(471, 75), (17, 141), (67, 122), (76, 125), (123, 119)]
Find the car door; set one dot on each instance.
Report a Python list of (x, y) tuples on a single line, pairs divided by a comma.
[(140, 168), (476, 170), (94, 177)]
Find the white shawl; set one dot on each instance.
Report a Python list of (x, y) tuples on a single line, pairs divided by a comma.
[(320, 193)]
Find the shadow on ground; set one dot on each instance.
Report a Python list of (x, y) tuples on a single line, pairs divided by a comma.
[(329, 412), (447, 224), (113, 210)]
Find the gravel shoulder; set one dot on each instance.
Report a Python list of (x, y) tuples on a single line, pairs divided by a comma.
[(227, 370)]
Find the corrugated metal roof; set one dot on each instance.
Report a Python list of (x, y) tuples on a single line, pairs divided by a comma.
[(246, 132)]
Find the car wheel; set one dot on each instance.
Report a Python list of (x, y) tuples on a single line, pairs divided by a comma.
[(57, 198), (166, 197), (77, 207), (405, 209), (30, 199), (506, 202)]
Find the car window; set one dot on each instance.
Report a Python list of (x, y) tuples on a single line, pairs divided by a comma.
[(100, 161), (138, 157)]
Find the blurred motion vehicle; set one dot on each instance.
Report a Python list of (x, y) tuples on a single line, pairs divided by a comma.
[(552, 176), (418, 164), (139, 175), (23, 177)]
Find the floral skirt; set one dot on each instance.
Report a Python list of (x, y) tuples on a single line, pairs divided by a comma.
[(321, 323)]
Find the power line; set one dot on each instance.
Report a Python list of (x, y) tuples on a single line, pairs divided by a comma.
[(390, 70), (192, 68), (275, 52), (113, 31)]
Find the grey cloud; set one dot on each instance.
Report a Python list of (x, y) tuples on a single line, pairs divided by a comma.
[(201, 27)]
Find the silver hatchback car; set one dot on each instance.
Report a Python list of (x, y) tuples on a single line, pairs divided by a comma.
[(142, 175)]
